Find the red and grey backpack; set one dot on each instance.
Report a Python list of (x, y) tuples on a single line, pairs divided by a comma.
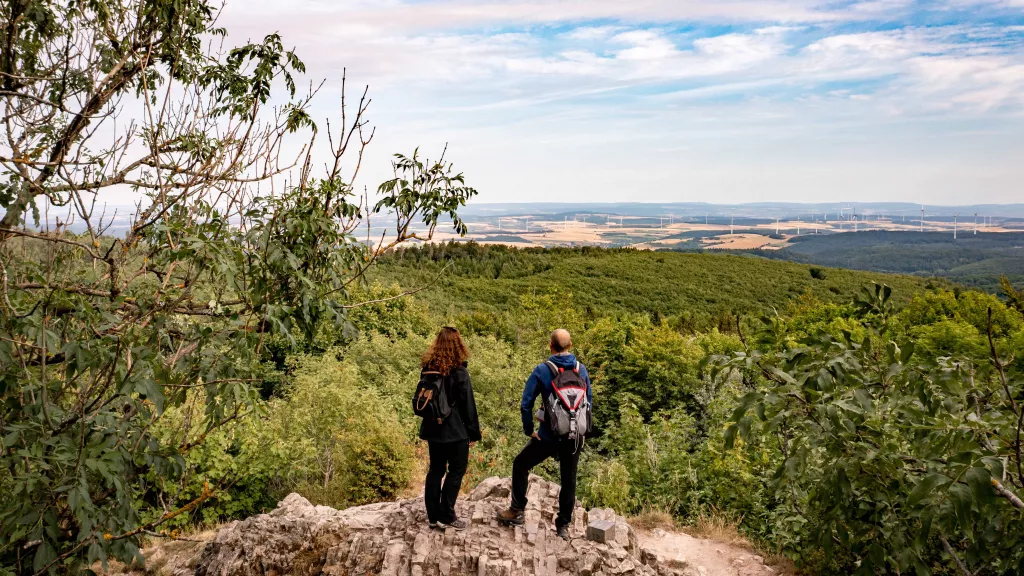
[(567, 408)]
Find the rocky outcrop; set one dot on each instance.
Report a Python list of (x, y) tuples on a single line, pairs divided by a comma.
[(394, 539)]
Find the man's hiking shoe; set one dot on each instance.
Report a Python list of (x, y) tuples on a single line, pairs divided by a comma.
[(563, 533), (457, 525), (511, 517)]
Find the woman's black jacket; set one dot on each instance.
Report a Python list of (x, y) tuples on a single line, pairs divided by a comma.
[(463, 423)]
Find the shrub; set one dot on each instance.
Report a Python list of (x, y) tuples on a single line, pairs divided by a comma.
[(609, 487), (345, 442)]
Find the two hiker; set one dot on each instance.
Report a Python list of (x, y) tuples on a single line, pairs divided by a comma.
[(444, 398)]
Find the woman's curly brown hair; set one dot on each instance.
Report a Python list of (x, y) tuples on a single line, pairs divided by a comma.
[(446, 353)]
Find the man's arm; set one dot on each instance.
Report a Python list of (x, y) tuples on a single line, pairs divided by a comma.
[(530, 393)]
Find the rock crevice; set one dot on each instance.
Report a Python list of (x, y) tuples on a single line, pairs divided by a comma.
[(394, 539)]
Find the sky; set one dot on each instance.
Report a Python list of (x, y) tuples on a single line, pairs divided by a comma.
[(722, 101)]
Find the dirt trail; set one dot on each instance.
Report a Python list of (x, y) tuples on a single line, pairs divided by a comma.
[(699, 557)]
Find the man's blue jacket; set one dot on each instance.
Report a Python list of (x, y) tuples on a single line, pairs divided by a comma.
[(539, 383)]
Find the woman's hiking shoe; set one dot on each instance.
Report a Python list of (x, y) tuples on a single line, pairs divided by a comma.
[(433, 524), (511, 517), (563, 533), (457, 525)]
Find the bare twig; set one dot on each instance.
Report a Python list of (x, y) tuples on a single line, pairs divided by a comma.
[(959, 563), (1005, 493)]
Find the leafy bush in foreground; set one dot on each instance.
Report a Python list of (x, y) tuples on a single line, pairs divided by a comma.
[(890, 463)]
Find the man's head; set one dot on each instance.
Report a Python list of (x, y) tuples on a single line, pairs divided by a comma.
[(560, 341)]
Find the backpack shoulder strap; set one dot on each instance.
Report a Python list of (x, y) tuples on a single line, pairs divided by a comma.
[(554, 369)]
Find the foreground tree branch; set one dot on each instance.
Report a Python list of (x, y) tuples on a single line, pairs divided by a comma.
[(111, 320)]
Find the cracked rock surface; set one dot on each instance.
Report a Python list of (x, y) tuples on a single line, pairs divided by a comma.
[(394, 539)]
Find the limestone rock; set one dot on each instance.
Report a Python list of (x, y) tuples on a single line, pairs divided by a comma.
[(394, 539)]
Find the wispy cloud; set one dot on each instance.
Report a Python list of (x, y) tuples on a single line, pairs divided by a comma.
[(513, 76)]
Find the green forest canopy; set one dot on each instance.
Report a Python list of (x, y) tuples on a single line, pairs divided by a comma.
[(699, 290)]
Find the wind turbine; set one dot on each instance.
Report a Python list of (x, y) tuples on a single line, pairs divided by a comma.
[(922, 217), (732, 226), (975, 223)]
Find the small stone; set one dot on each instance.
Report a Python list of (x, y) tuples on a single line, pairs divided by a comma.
[(479, 514), (602, 531), (649, 557)]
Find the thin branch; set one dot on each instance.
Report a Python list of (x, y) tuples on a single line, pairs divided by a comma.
[(951, 552), (1000, 368), (403, 294), (1005, 493)]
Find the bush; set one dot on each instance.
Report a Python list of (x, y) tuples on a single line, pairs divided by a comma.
[(609, 486), (344, 439)]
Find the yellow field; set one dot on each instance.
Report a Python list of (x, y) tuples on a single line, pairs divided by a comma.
[(536, 231)]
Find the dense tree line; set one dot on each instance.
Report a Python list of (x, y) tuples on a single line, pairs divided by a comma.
[(972, 260), (694, 292)]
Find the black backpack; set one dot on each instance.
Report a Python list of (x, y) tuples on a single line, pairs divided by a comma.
[(567, 408), (430, 401)]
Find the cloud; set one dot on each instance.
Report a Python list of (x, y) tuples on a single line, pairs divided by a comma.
[(534, 79), (585, 33)]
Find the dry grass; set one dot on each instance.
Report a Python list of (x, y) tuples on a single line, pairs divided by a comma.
[(651, 519), (420, 463), (717, 526), (740, 242), (783, 566)]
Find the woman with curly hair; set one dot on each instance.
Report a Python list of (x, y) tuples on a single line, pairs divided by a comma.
[(449, 441)]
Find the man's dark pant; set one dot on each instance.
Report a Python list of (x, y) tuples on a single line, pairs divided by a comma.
[(537, 451), (448, 460)]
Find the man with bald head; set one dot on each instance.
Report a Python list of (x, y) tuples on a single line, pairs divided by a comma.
[(544, 443)]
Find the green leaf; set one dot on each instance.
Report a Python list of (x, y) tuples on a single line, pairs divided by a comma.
[(980, 482), (925, 488), (730, 436), (864, 398), (962, 498)]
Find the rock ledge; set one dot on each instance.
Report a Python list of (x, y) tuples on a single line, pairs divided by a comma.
[(394, 539)]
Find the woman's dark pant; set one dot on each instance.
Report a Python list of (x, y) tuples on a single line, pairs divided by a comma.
[(448, 461), (537, 451)]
